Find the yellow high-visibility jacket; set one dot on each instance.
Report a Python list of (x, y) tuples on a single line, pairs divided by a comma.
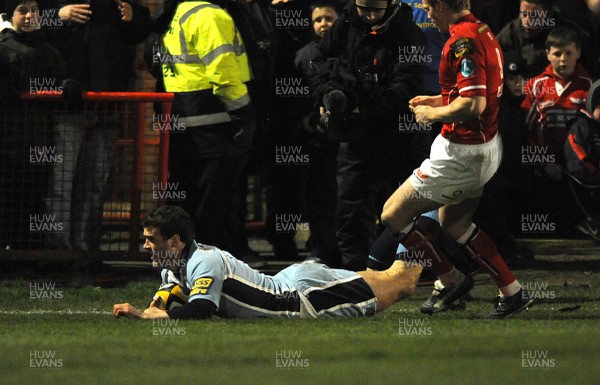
[(207, 64)]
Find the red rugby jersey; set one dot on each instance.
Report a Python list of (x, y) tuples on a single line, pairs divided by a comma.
[(471, 65)]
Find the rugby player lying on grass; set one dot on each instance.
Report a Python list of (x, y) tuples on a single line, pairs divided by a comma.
[(217, 283)]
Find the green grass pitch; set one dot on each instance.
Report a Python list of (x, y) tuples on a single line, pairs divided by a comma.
[(73, 338)]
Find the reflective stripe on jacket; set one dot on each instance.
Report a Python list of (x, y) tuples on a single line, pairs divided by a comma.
[(207, 59)]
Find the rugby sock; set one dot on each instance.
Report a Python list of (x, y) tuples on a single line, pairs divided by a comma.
[(450, 277), (456, 253), (420, 242), (383, 251), (481, 247)]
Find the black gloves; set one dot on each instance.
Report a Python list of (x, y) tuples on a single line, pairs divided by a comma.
[(332, 122)]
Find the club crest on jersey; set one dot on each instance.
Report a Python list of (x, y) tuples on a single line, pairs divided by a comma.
[(467, 67), (461, 47), (201, 286)]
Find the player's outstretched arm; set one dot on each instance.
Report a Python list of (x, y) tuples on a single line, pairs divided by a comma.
[(197, 309)]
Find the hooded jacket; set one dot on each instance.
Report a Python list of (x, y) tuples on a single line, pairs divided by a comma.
[(25, 58), (375, 66)]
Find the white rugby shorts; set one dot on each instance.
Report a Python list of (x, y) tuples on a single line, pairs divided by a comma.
[(454, 171)]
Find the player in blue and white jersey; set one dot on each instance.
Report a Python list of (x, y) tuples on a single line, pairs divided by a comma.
[(217, 283)]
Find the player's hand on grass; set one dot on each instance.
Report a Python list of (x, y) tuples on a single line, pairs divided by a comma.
[(129, 311), (126, 310)]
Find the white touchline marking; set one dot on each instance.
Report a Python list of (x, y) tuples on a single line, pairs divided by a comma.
[(59, 312)]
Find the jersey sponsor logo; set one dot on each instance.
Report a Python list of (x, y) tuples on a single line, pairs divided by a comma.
[(467, 68), (462, 47), (201, 286), (546, 104)]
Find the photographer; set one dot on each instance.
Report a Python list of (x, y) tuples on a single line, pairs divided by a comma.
[(369, 57)]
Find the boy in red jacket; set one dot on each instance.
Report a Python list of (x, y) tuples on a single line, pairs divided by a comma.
[(556, 95), (551, 100)]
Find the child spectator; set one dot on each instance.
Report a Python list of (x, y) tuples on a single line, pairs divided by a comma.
[(24, 54), (551, 100), (555, 96), (26, 61)]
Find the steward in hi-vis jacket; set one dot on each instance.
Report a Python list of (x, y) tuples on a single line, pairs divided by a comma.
[(205, 64)]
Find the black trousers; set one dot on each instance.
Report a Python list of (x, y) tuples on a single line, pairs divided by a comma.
[(320, 196), (369, 171), (209, 186)]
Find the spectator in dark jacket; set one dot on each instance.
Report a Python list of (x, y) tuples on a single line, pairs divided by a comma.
[(372, 55), (528, 32), (292, 30), (495, 13), (28, 64), (97, 41), (24, 51), (319, 177)]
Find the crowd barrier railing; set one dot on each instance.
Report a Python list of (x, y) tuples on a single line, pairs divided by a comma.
[(75, 178)]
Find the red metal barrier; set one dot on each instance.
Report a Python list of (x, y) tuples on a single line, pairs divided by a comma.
[(37, 137)]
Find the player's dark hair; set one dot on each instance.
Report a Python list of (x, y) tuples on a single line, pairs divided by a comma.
[(563, 36), (171, 220), (455, 5), (337, 6)]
